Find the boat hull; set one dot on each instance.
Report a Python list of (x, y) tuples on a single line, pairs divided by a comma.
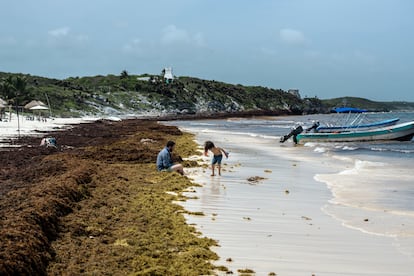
[(401, 132)]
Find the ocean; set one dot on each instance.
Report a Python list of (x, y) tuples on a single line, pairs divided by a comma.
[(324, 208)]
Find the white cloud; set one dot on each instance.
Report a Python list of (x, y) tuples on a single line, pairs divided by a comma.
[(291, 36), (63, 36), (63, 39), (173, 35), (64, 31)]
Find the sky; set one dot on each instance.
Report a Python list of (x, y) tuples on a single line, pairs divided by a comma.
[(324, 48)]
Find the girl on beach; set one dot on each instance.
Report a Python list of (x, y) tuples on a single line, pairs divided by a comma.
[(218, 155)]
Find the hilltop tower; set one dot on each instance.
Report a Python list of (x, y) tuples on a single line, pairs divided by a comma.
[(168, 74), (294, 92)]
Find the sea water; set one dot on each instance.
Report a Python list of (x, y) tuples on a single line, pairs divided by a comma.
[(295, 214)]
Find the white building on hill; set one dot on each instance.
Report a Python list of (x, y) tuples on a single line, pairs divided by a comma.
[(168, 74)]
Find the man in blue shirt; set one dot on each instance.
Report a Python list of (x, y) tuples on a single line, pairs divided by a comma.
[(164, 160)]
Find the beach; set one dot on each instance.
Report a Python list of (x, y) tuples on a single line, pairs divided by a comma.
[(10, 129), (97, 205), (319, 209)]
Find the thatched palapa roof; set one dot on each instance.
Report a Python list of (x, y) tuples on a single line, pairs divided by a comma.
[(34, 103)]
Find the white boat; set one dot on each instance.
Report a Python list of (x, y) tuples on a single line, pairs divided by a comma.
[(359, 127), (401, 132)]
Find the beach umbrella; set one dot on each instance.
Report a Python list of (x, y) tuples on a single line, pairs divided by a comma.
[(39, 107)]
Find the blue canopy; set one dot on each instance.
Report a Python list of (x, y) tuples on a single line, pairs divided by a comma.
[(348, 110)]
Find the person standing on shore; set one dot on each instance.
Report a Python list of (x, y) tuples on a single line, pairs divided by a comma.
[(217, 155), (165, 162)]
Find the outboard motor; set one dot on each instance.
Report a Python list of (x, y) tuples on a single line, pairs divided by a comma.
[(313, 127), (296, 131)]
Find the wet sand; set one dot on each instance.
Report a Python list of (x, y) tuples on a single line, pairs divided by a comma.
[(278, 225)]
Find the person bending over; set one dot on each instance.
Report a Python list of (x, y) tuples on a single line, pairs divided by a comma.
[(165, 162), (217, 155)]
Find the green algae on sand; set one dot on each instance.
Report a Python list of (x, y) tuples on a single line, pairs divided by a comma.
[(142, 231)]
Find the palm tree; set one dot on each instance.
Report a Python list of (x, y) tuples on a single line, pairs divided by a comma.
[(7, 88), (124, 74), (15, 90), (6, 92)]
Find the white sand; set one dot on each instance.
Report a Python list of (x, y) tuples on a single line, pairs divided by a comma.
[(9, 129), (264, 228)]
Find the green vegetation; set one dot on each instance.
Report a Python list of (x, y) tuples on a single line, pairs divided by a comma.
[(137, 94), (14, 89), (367, 104)]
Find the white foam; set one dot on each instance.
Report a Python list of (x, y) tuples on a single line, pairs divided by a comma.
[(311, 144), (320, 149), (408, 151), (361, 165), (368, 191), (349, 148)]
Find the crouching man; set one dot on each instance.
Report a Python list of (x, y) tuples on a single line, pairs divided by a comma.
[(49, 142), (165, 162)]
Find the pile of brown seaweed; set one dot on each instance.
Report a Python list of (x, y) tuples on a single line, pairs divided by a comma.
[(96, 205)]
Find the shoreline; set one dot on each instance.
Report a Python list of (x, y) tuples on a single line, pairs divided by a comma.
[(224, 115), (29, 128)]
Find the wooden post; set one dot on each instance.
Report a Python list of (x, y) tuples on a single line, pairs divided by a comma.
[(48, 103), (18, 119)]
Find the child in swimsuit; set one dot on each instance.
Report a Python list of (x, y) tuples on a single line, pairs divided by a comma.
[(218, 155)]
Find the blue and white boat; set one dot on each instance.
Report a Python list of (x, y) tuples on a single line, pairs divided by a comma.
[(360, 127), (401, 132)]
